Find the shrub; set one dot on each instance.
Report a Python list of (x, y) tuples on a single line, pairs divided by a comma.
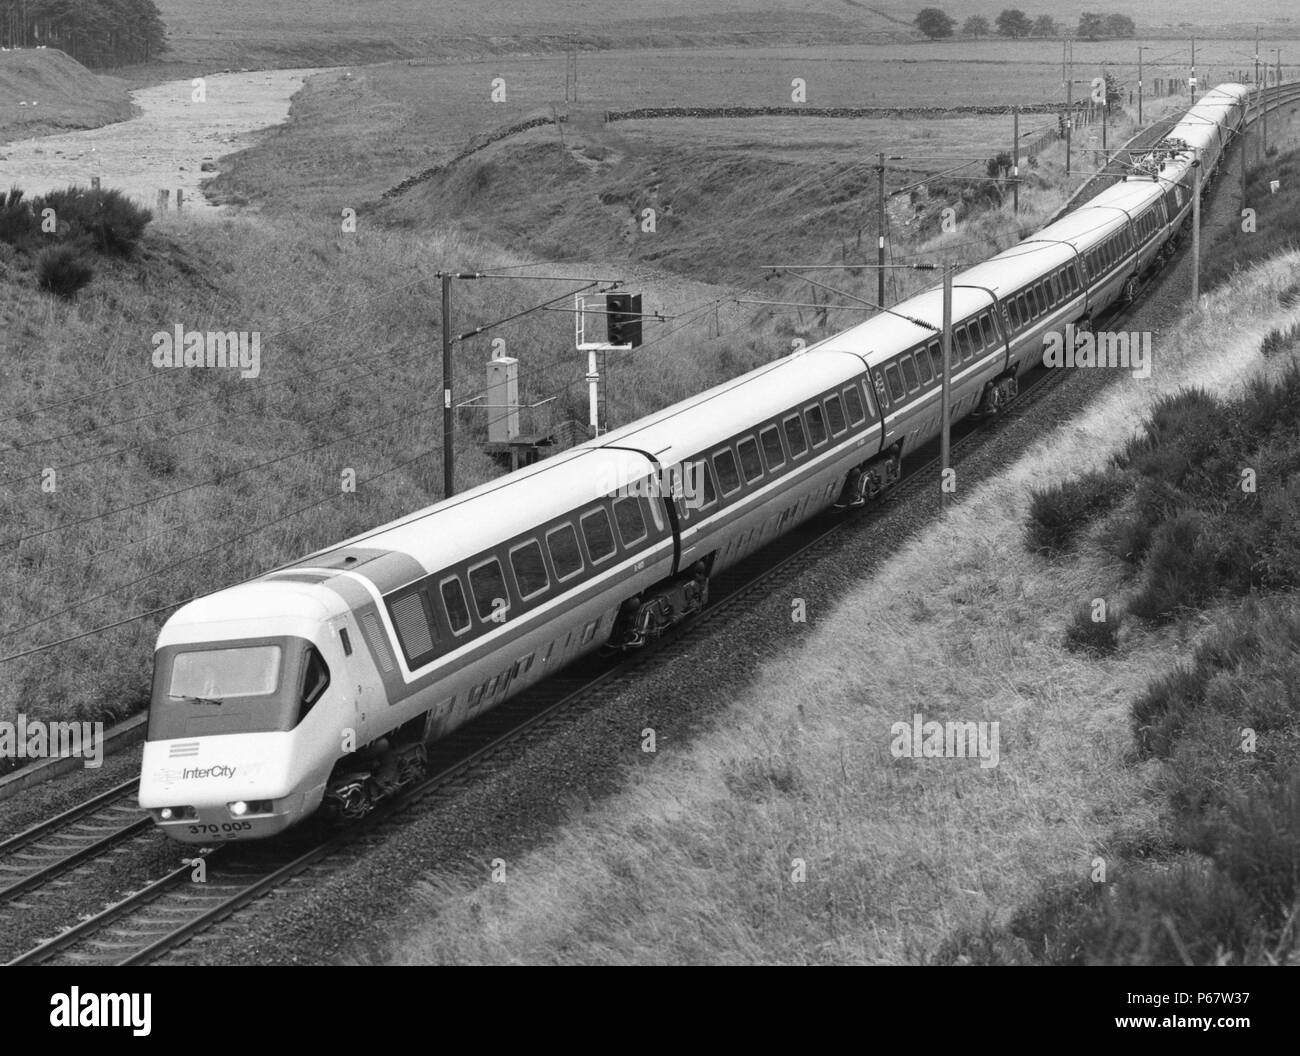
[(18, 225), (1059, 512), (1098, 637), (1177, 573), (111, 222), (60, 270)]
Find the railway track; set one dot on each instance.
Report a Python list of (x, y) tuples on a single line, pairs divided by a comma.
[(80, 835), (171, 911)]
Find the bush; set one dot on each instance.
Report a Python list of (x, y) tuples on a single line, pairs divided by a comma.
[(60, 270), (1178, 571), (1059, 512), (1098, 637), (18, 225), (111, 222)]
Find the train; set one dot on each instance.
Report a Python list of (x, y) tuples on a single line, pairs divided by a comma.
[(319, 686)]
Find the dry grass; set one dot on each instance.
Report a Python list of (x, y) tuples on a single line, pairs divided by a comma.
[(690, 864)]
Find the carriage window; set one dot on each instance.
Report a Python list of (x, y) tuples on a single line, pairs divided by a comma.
[(530, 569), (835, 413), (990, 331), (750, 464), (962, 348), (772, 447), (923, 365), (853, 401), (453, 600), (566, 558), (710, 493), (1044, 298), (794, 436), (630, 520), (1013, 313), (936, 357), (896, 389), (728, 476), (599, 535), (909, 373), (816, 425), (488, 586), (414, 628)]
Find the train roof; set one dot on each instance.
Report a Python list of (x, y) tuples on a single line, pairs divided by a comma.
[(1016, 266), (753, 397), (1130, 195), (455, 528), (1084, 227), (885, 334)]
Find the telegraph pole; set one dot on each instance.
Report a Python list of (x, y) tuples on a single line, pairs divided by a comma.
[(945, 398), (880, 235), (1015, 160), (1196, 229), (1069, 118), (1257, 54), (1140, 51), (448, 423)]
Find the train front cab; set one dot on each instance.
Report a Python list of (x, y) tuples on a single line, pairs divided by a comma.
[(229, 753)]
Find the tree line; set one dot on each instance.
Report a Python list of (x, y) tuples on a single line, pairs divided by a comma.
[(94, 32), (1014, 24)]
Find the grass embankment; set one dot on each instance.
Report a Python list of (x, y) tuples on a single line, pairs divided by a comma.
[(927, 859), (42, 91)]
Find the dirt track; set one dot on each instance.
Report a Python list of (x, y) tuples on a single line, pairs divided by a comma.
[(165, 145)]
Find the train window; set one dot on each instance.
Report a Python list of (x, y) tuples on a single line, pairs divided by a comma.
[(935, 349), (410, 614), (1044, 297), (910, 378), (866, 391), (990, 331), (630, 520), (453, 600), (923, 365), (657, 512), (816, 425), (724, 463), (750, 464), (1026, 307), (488, 586), (965, 343), (794, 436), (315, 680), (896, 389), (772, 450), (529, 568), (1013, 313), (566, 558), (706, 476), (599, 535), (853, 402), (835, 413)]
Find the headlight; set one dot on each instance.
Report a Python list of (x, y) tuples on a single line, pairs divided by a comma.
[(239, 809), (167, 813)]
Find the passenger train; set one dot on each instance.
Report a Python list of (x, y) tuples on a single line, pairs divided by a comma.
[(320, 684)]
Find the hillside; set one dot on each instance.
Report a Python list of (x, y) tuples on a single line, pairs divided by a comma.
[(44, 90)]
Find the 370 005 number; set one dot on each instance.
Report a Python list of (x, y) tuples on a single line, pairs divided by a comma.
[(224, 827)]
